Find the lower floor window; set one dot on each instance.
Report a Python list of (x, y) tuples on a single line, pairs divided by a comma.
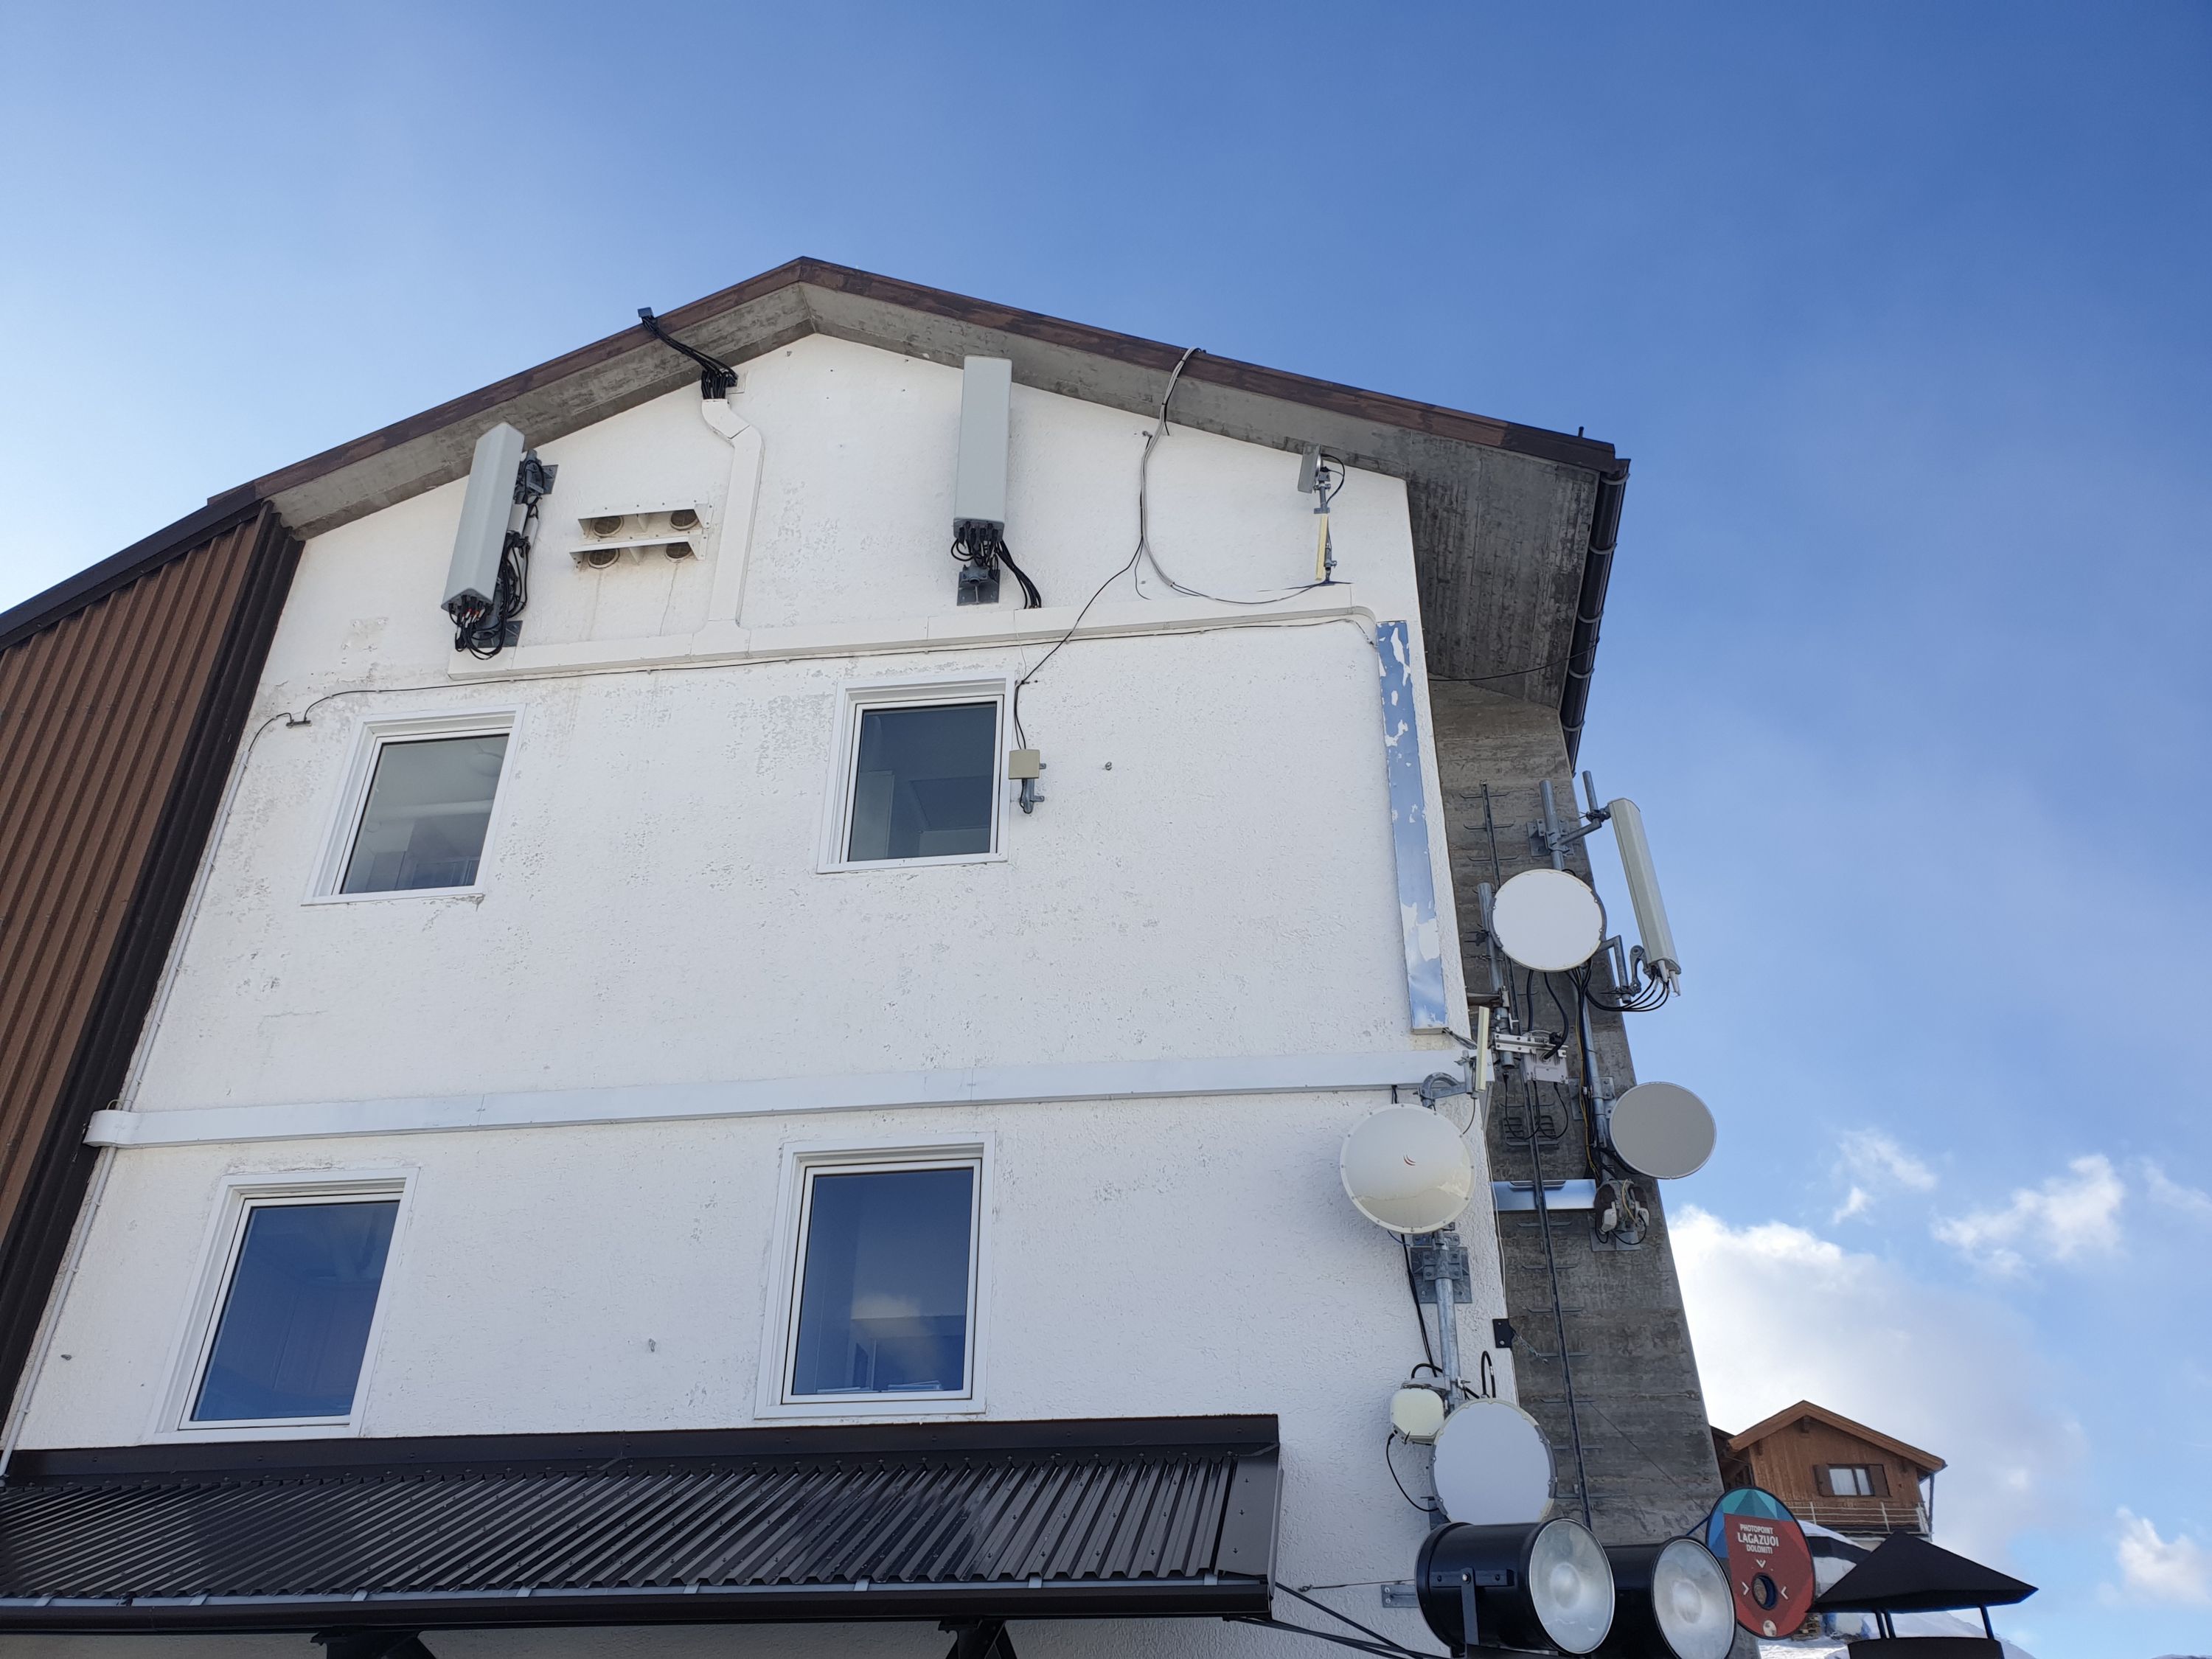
[(886, 1278), (294, 1321)]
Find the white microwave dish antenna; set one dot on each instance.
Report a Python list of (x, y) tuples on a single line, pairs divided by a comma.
[(1660, 1130), (1408, 1170), (1493, 1465), (1547, 920)]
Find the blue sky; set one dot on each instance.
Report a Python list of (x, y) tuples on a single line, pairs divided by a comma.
[(1898, 308)]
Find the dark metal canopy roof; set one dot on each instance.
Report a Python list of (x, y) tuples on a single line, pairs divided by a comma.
[(1907, 1574), (1142, 1518)]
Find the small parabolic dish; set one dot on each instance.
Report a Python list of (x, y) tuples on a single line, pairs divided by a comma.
[(1547, 920), (1662, 1130), (1493, 1465), (1408, 1170)]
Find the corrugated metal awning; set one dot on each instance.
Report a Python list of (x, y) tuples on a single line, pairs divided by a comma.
[(1144, 1517)]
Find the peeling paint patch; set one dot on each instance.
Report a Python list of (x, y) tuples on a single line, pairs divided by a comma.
[(1409, 832)]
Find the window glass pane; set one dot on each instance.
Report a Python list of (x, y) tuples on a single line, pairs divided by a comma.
[(424, 823), (296, 1320), (883, 1303), (923, 782)]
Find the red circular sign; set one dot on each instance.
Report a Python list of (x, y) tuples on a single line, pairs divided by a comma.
[(1769, 1567)]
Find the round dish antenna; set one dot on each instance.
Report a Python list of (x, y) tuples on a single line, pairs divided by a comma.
[(1547, 920), (1493, 1465), (1660, 1130), (1407, 1170)]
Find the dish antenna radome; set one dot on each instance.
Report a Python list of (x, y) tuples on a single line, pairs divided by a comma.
[(1547, 920), (1660, 1130), (1493, 1465), (1406, 1168)]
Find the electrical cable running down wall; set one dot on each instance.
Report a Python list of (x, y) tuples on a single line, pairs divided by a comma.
[(1142, 554)]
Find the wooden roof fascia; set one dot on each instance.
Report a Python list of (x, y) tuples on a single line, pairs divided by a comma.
[(1768, 1427)]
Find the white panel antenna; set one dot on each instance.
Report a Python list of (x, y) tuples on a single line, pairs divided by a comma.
[(979, 487), (979, 483), (487, 514), (1643, 878)]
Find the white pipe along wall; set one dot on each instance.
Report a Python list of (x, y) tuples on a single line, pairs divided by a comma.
[(1159, 1002)]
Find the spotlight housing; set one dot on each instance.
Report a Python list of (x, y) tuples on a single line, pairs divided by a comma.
[(1670, 1598), (1543, 1589)]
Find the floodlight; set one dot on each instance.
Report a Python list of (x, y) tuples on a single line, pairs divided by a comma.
[(1670, 1598), (1546, 1589)]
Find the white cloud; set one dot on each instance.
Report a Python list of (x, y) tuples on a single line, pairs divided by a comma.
[(1877, 1164), (2190, 1201), (1779, 1314), (1871, 1152), (2067, 1218), (2163, 1569)]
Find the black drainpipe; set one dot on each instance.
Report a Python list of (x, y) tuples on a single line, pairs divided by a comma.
[(1590, 606)]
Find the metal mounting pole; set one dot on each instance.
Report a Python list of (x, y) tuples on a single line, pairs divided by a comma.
[(1447, 1332)]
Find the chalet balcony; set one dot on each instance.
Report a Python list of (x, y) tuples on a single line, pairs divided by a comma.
[(1870, 1517)]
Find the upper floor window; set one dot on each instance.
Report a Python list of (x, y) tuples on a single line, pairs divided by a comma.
[(885, 1302), (920, 776), (423, 823), (1856, 1481), (286, 1333), (417, 810)]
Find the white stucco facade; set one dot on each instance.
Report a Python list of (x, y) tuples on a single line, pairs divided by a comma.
[(1158, 1005)]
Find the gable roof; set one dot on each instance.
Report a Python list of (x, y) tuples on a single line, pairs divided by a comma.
[(1513, 526), (1790, 1416)]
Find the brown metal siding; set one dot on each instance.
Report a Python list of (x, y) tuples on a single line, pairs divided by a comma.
[(117, 721)]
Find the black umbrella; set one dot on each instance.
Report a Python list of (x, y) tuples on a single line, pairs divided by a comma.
[(1908, 1574)]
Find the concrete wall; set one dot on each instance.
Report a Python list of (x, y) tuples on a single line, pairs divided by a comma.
[(1647, 1450), (1211, 876)]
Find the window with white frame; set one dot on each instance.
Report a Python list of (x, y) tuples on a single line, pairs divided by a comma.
[(920, 774), (286, 1333), (883, 1293), (417, 810)]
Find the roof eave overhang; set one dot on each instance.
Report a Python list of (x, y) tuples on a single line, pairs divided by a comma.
[(1512, 525)]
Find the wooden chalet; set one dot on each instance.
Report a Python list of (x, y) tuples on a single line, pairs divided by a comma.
[(1834, 1471)]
